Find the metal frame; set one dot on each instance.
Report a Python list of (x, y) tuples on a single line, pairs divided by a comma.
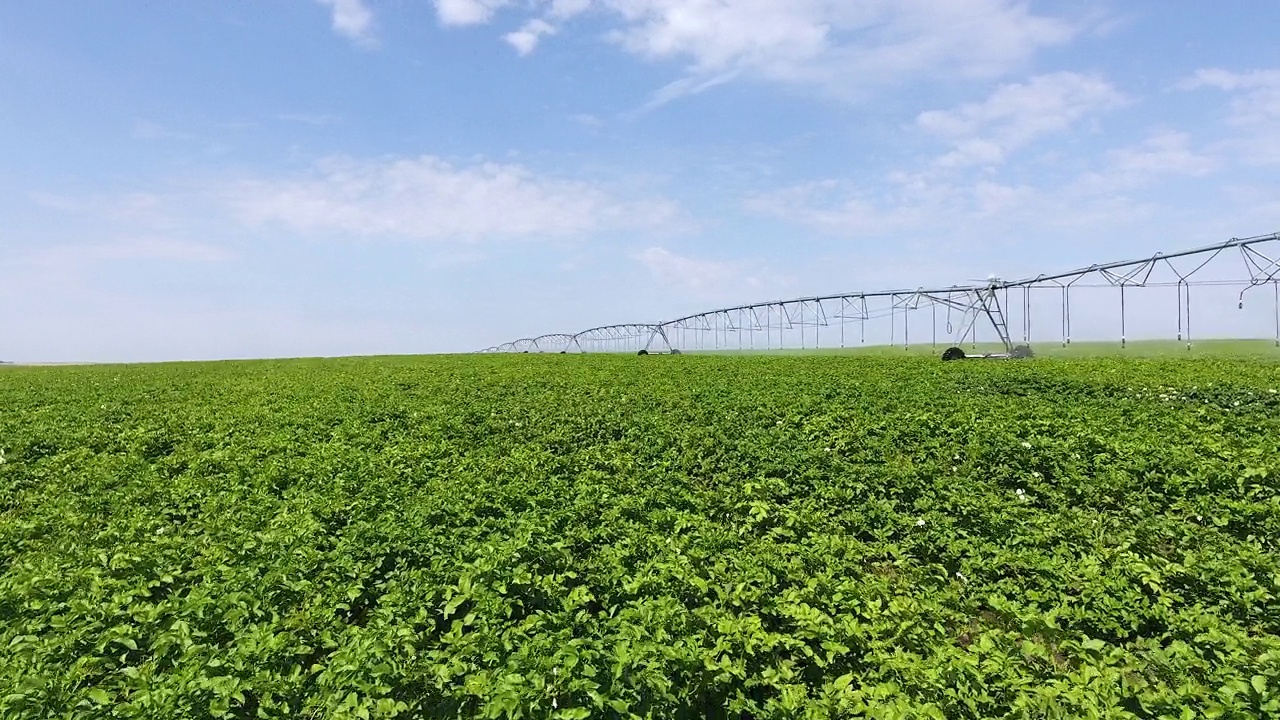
[(712, 328)]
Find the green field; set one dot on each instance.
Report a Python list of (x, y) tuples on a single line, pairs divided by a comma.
[(767, 536)]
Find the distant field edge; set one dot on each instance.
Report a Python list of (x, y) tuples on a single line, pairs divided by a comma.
[(1212, 347)]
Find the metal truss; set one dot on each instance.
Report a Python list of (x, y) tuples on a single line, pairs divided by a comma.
[(764, 325)]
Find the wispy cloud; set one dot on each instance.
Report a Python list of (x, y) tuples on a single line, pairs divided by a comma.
[(689, 85), (1017, 114), (1257, 93), (952, 209), (1254, 111), (1164, 152), (841, 48), (426, 198), (527, 37), (468, 12), (352, 19), (692, 274)]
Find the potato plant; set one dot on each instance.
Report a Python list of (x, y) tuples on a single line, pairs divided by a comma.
[(641, 537)]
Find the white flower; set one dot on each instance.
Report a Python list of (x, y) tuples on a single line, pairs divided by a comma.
[(920, 522), (960, 576), (956, 456), (1, 456), (827, 449), (553, 704), (1198, 518), (778, 423), (1022, 494), (1026, 445), (1236, 404)]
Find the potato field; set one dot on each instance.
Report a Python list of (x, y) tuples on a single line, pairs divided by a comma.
[(609, 536)]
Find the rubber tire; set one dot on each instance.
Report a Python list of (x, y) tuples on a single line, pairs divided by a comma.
[(643, 352), (953, 353)]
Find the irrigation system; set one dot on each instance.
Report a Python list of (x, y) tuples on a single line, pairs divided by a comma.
[(823, 320)]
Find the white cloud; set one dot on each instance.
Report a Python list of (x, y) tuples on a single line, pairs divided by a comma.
[(468, 12), (1016, 114), (1254, 111), (819, 40), (526, 38), (1257, 93), (840, 47), (568, 8), (1163, 152), (673, 270), (718, 36), (949, 210), (689, 85), (351, 19), (959, 194), (426, 198), (902, 204), (843, 208)]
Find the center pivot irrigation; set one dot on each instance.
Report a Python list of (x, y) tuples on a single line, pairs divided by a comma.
[(763, 325)]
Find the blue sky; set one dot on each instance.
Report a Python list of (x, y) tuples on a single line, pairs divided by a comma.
[(323, 177)]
